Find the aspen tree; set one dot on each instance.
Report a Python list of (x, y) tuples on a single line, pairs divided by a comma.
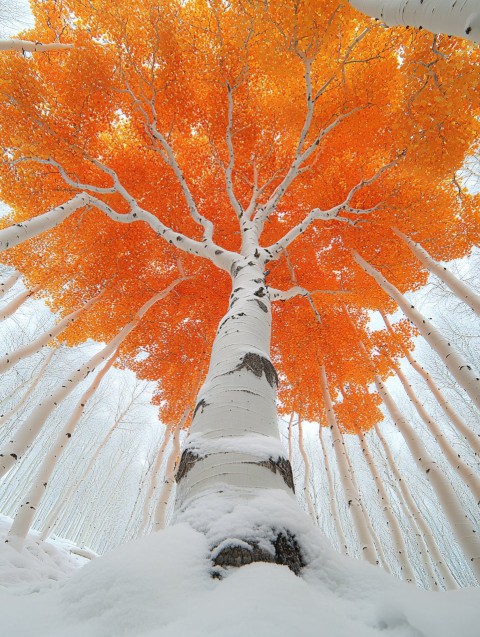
[(465, 531)]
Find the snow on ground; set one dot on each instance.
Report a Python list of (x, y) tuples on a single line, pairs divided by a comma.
[(160, 586)]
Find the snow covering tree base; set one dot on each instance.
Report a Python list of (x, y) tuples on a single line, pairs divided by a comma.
[(161, 586), (244, 526)]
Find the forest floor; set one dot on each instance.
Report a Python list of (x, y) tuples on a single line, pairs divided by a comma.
[(161, 586)]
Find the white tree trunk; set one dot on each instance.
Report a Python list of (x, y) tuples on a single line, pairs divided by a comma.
[(16, 303), (461, 468), (13, 44), (352, 497), (459, 424), (150, 495), (397, 535), (331, 492), (159, 518), (463, 291), (13, 235), (290, 441), (454, 361), (9, 283), (306, 480), (12, 358), (23, 520), (22, 439), (4, 418), (466, 533), (233, 455), (461, 19), (426, 542)]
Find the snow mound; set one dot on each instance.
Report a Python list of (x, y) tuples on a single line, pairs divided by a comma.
[(39, 566), (161, 586)]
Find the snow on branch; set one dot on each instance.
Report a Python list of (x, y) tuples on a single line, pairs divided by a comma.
[(22, 46), (451, 17), (297, 290)]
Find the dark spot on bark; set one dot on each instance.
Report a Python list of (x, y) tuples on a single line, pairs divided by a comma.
[(187, 462), (200, 405), (261, 305), (69, 435), (468, 30), (260, 292), (284, 468), (217, 252), (256, 253), (258, 365), (285, 551), (14, 456), (258, 280)]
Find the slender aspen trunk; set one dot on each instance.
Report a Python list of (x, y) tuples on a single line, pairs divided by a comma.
[(461, 468), (458, 423), (397, 535), (331, 492), (454, 361), (466, 534), (150, 496), (463, 291), (53, 517), (20, 232), (159, 518), (62, 500), (12, 358), (306, 480), (233, 456), (367, 548), (290, 441), (15, 448), (427, 547), (376, 542), (4, 418), (14, 44), (23, 520), (17, 302), (9, 283)]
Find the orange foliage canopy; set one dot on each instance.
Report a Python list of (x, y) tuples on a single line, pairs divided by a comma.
[(407, 98)]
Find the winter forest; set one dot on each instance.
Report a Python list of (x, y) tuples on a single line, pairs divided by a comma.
[(239, 318)]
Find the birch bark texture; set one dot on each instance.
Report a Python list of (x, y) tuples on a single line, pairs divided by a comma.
[(461, 19), (465, 531), (464, 374)]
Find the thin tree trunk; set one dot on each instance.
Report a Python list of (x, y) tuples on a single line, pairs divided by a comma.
[(15, 448), (376, 542), (20, 232), (463, 291), (14, 44), (17, 302), (306, 480), (428, 548), (4, 418), (367, 548), (12, 358), (290, 433), (150, 496), (454, 361), (159, 518), (464, 531), (331, 492), (23, 520), (9, 283), (397, 535), (459, 424), (461, 468)]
